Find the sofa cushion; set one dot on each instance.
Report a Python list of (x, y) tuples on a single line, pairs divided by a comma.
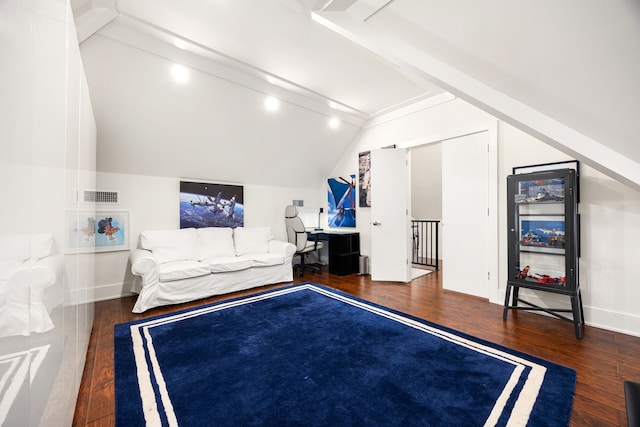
[(178, 270), (251, 240), (171, 245), (215, 242), (265, 260), (226, 264)]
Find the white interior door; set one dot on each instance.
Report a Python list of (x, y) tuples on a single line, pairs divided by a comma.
[(465, 214), (390, 214)]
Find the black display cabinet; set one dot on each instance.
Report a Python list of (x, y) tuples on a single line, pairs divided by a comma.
[(544, 241)]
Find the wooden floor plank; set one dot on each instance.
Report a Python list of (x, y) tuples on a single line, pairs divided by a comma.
[(602, 359)]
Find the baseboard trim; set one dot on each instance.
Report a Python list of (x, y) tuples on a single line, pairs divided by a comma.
[(99, 293), (614, 321)]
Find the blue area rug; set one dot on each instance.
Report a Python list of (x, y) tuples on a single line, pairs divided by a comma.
[(310, 356)]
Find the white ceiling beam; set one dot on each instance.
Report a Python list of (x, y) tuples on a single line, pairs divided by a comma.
[(333, 5), (499, 104), (408, 107), (365, 9), (92, 20)]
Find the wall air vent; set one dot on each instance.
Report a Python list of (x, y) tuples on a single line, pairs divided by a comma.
[(98, 196)]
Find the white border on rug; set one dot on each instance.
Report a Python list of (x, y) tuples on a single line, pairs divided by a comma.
[(519, 414), (20, 365)]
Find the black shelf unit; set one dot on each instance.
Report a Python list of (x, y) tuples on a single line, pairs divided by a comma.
[(544, 241), (344, 253)]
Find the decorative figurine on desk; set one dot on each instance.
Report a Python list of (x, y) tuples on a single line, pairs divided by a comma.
[(318, 228)]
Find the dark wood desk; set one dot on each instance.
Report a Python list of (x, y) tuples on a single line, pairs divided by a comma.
[(344, 249)]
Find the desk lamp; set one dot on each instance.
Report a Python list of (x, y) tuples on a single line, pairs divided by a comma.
[(318, 228)]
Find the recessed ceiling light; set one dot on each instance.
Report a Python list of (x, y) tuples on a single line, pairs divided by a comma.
[(180, 73), (271, 103), (180, 44), (334, 123)]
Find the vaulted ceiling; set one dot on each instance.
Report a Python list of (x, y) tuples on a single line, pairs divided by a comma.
[(562, 71)]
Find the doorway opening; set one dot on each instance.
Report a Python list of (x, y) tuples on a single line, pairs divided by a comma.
[(426, 207), (451, 182)]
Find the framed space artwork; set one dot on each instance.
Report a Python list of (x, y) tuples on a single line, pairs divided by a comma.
[(342, 201), (211, 205)]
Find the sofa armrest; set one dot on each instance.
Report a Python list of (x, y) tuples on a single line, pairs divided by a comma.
[(279, 247), (145, 265)]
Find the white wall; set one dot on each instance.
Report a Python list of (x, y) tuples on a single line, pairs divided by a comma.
[(610, 210), (47, 141), (426, 182), (153, 203)]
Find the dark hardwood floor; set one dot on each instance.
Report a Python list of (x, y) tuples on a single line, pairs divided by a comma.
[(602, 359)]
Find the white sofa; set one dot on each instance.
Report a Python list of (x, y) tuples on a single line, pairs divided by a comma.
[(30, 283), (176, 266)]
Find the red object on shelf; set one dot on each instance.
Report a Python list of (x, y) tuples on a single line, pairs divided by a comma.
[(545, 278), (548, 280)]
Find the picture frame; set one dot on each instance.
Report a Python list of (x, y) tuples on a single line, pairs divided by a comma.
[(566, 164), (204, 204), (364, 179), (540, 191), (97, 231), (542, 233), (341, 197)]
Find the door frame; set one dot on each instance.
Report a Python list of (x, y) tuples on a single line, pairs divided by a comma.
[(491, 127)]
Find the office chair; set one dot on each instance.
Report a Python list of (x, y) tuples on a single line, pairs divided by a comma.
[(297, 235), (632, 398)]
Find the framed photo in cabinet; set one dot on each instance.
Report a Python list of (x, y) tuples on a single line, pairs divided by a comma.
[(540, 233)]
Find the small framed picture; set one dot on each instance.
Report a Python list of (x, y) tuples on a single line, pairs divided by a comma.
[(364, 178), (99, 231), (540, 233)]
